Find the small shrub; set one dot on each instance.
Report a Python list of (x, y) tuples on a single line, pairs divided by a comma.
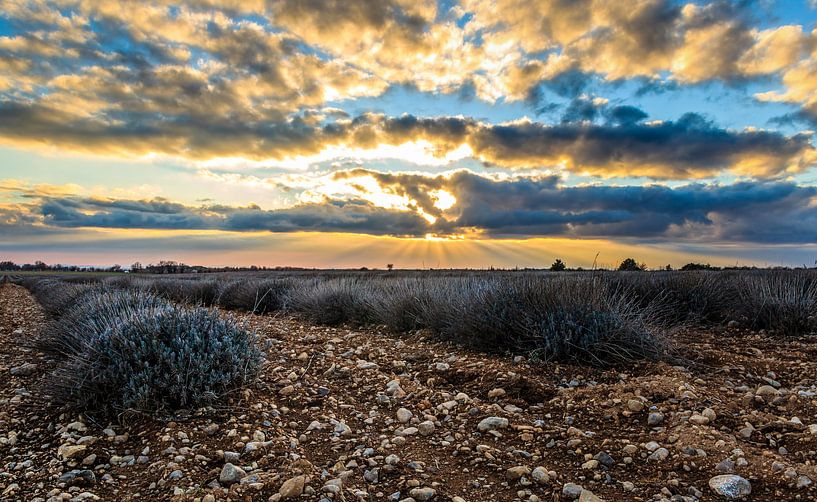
[(333, 301), (156, 358), (563, 318), (93, 314), (785, 302), (56, 296), (189, 291), (688, 298), (255, 296), (399, 304)]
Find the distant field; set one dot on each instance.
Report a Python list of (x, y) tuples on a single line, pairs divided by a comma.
[(591, 317)]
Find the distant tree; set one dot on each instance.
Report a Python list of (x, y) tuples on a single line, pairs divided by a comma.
[(136, 267), (631, 265), (668, 267), (8, 266), (699, 266), (390, 266), (558, 266)]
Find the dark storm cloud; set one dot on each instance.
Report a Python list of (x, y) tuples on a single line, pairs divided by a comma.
[(526, 206), (626, 115), (542, 206), (353, 216), (690, 147), (763, 212)]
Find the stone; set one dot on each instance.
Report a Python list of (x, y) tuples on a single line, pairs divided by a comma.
[(333, 486), (731, 486), (426, 428), (590, 465), (604, 459), (495, 393), (26, 369), (292, 488), (635, 405), (655, 418), (76, 426), (78, 477), (366, 365), (372, 475), (698, 420), (516, 473), (422, 494), (659, 455), (572, 491), (588, 496), (492, 423), (726, 465), (540, 475), (767, 392), (69, 451), (231, 474), (404, 415)]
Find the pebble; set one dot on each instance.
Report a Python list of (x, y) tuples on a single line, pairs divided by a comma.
[(78, 477), (292, 488), (515, 473), (659, 455), (26, 369), (767, 392), (635, 405), (492, 423), (404, 415), (423, 494), (69, 451), (495, 393), (655, 418), (572, 491), (731, 486), (231, 474), (540, 475), (426, 428)]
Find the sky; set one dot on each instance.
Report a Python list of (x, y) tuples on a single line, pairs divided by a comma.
[(452, 133)]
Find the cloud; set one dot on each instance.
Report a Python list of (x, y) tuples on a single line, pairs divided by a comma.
[(275, 57), (210, 80), (464, 203), (351, 216), (770, 212), (690, 147)]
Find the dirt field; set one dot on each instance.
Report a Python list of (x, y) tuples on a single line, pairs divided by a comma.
[(342, 414)]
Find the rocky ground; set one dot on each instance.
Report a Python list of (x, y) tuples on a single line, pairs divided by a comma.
[(344, 414)]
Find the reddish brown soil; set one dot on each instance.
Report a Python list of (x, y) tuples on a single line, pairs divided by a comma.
[(559, 417)]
